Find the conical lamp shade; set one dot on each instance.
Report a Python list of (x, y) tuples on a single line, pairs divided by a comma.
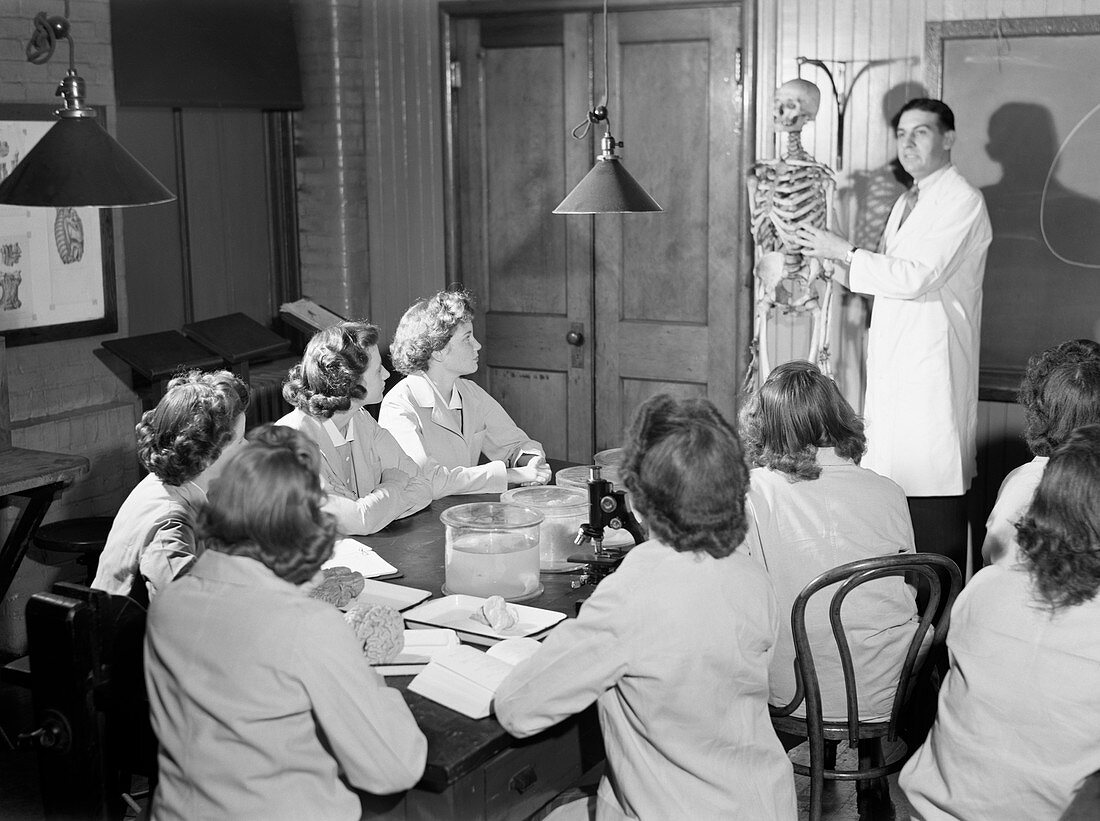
[(607, 189), (77, 163)]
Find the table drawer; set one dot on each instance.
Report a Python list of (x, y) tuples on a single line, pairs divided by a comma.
[(523, 778)]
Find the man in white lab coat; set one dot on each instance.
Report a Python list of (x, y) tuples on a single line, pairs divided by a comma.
[(922, 361)]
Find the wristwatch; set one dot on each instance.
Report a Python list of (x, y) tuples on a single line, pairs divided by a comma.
[(849, 256)]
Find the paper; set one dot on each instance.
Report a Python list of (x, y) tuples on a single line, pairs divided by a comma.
[(309, 313), (357, 556), (466, 679), (421, 646)]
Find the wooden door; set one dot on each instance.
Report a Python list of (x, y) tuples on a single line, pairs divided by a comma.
[(670, 304), (530, 271), (655, 301)]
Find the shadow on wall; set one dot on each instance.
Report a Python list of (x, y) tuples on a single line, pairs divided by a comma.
[(1041, 229)]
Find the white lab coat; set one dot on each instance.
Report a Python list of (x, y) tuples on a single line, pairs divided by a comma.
[(922, 362)]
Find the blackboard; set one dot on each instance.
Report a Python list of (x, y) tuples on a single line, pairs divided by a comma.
[(1026, 98)]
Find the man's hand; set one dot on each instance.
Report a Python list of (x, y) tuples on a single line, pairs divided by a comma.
[(822, 244)]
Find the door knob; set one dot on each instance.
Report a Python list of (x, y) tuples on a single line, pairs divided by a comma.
[(575, 338)]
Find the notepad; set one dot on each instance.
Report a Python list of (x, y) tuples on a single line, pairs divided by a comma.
[(465, 680), (357, 556)]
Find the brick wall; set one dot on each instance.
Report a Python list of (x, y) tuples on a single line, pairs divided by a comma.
[(63, 396), (331, 156), (370, 155)]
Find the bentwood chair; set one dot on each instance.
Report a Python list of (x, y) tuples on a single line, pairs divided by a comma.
[(914, 700)]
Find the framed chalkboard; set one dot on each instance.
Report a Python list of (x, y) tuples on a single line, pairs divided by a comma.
[(57, 273), (1027, 109)]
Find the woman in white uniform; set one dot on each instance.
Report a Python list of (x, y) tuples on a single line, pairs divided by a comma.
[(673, 647), (811, 508), (447, 423), (368, 478), (1060, 392), (183, 443), (1017, 731), (260, 696)]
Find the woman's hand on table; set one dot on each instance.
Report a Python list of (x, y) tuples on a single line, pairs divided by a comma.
[(535, 472)]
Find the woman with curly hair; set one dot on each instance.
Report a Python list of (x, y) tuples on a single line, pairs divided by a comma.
[(811, 508), (260, 696), (369, 479), (1017, 731), (673, 646), (1060, 392), (182, 442), (444, 422)]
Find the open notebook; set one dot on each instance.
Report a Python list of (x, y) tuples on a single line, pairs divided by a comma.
[(466, 679)]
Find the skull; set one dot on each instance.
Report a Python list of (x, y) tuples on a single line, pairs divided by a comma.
[(796, 103)]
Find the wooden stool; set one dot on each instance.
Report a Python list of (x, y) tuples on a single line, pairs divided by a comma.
[(86, 536)]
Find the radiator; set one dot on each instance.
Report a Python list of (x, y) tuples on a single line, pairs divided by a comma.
[(266, 382)]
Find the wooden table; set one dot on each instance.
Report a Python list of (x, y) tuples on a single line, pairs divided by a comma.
[(475, 769), (38, 476)]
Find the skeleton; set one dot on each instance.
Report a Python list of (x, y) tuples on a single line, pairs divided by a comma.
[(782, 194), (9, 289)]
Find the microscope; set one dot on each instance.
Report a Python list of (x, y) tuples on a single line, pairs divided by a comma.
[(607, 508)]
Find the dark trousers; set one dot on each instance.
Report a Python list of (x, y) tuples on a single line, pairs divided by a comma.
[(940, 526)]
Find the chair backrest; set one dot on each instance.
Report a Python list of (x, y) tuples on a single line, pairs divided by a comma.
[(87, 678), (938, 575)]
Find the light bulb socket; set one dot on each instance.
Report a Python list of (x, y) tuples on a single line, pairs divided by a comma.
[(608, 144), (71, 90)]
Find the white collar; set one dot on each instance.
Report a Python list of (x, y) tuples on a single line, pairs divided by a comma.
[(929, 182), (334, 434), (427, 395)]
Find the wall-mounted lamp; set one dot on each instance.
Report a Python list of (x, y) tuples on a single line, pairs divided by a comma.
[(76, 163), (608, 188)]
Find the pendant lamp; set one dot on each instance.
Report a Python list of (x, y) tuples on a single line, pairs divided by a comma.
[(608, 188), (76, 163)]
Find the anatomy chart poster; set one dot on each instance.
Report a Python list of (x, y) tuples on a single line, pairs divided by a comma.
[(51, 259)]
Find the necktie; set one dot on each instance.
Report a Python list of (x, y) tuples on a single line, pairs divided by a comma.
[(910, 202)]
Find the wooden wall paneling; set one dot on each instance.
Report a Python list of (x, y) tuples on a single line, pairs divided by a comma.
[(151, 237), (228, 213)]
